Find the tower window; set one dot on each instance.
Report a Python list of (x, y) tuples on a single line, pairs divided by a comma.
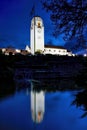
[(39, 26)]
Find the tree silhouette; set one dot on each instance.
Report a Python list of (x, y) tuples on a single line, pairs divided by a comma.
[(68, 16), (80, 101)]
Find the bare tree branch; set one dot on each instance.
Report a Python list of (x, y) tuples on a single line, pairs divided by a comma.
[(69, 16)]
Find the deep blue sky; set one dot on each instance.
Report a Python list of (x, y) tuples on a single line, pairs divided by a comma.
[(15, 23)]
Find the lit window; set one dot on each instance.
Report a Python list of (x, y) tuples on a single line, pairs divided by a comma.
[(39, 26)]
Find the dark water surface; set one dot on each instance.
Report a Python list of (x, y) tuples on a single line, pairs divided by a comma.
[(29, 109)]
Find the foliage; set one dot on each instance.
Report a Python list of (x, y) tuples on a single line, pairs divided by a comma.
[(38, 52), (1, 52), (69, 16), (80, 101)]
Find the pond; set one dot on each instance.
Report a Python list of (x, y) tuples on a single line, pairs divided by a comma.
[(29, 108)]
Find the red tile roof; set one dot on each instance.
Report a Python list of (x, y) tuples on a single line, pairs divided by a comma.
[(56, 47)]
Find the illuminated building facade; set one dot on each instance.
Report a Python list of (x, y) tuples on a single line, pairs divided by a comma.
[(37, 35), (37, 40)]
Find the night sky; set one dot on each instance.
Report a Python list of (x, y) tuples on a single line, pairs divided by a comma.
[(15, 22)]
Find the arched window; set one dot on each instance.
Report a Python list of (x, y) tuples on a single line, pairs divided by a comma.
[(39, 25)]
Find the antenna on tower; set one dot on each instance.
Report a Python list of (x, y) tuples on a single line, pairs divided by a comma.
[(32, 14)]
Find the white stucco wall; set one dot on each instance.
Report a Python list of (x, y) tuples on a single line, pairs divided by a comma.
[(3, 49), (55, 51), (36, 35), (18, 50), (27, 48)]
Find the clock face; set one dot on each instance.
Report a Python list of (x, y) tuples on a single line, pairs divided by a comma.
[(39, 30)]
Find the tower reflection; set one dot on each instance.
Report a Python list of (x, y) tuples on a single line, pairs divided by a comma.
[(37, 104)]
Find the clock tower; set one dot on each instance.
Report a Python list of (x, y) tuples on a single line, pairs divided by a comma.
[(37, 35)]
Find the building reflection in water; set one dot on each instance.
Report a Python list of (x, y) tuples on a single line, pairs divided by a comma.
[(37, 104)]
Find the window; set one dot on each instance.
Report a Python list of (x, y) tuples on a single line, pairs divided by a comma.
[(39, 25)]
